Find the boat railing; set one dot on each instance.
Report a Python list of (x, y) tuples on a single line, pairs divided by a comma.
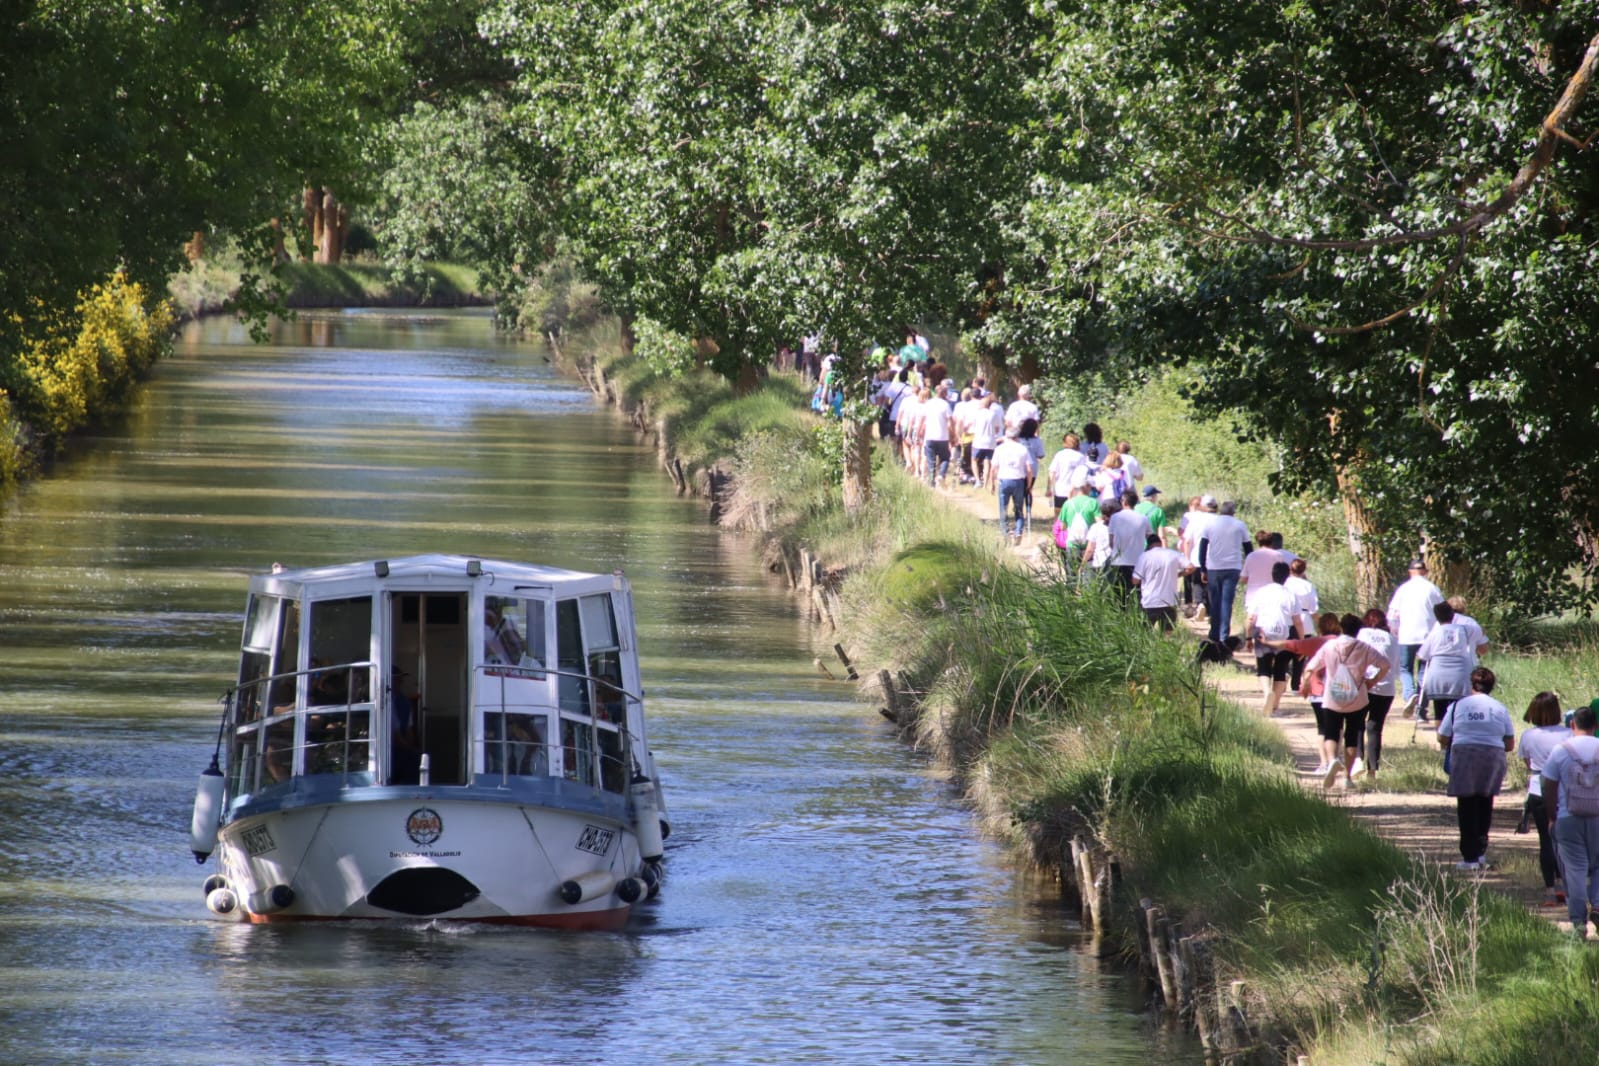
[(596, 741), (338, 725)]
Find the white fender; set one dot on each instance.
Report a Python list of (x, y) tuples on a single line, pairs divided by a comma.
[(207, 813), (646, 819), (585, 887)]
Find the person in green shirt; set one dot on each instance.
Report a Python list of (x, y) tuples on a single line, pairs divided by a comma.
[(1152, 510)]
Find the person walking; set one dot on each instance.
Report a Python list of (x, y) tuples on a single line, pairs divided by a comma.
[(1129, 533), (1156, 576), (1271, 618), (1222, 547), (1379, 694), (1067, 470), (1548, 731), (1448, 656), (1410, 619), (1478, 734), (1345, 666), (937, 420), (1012, 470), (1152, 510), (1570, 785)]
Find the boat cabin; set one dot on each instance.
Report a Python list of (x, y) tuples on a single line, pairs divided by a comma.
[(434, 670)]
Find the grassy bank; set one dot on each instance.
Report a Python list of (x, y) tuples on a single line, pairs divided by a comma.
[(207, 286), (1061, 713)]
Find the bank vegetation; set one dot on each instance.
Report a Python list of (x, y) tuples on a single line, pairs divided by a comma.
[(1064, 718)]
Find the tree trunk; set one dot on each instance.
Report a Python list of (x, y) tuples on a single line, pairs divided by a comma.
[(857, 464), (194, 251), (1364, 543), (280, 254), (335, 219), (311, 203)]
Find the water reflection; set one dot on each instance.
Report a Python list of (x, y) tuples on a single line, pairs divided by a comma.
[(825, 902)]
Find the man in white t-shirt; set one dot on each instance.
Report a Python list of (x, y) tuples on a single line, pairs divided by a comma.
[(1012, 471), (1271, 616), (1156, 576), (1410, 619), (1022, 408), (1129, 533), (936, 417), (1222, 547), (987, 428)]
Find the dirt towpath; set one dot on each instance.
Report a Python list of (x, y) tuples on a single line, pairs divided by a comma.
[(1422, 824)]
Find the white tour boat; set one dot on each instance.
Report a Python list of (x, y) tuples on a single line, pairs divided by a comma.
[(434, 737)]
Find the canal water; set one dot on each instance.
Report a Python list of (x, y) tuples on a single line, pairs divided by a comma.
[(828, 900)]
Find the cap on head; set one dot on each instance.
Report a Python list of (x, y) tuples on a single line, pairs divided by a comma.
[(1418, 566), (1150, 491), (1207, 500)]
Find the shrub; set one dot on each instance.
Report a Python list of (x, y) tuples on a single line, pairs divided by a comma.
[(80, 367)]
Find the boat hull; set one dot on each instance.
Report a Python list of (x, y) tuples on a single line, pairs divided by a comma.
[(424, 857)]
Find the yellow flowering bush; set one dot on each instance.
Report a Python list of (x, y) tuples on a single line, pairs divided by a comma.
[(83, 364)]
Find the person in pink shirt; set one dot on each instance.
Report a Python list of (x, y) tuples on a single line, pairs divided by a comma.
[(1346, 669)]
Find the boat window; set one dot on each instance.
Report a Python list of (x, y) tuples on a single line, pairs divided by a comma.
[(574, 690), (599, 624), (286, 660), (516, 745), (341, 633), (577, 751), (604, 658), (338, 743), (513, 631), (260, 618)]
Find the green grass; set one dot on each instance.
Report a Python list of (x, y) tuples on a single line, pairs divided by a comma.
[(1063, 713)]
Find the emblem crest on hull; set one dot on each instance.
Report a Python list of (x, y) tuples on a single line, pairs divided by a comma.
[(424, 826)]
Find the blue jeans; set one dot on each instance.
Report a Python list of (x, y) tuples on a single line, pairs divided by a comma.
[(1407, 670), (1221, 590), (1577, 841), (1015, 490)]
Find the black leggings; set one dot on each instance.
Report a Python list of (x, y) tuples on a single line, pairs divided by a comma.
[(1476, 814), (1546, 846), (1377, 708)]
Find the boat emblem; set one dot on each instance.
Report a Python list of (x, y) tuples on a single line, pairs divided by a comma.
[(424, 826)]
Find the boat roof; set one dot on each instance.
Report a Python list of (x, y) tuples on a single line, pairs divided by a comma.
[(420, 571)]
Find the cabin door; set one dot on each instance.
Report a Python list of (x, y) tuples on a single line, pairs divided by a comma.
[(427, 652)]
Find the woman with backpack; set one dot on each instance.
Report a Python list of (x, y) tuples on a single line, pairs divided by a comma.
[(1345, 668), (1477, 733)]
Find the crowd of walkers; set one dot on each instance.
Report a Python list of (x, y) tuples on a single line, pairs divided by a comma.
[(1423, 651)]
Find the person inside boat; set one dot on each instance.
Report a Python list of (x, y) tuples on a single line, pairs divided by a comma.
[(502, 641), (405, 762)]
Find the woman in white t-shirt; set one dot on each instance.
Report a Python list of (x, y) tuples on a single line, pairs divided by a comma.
[(1379, 694), (1548, 730), (1477, 733)]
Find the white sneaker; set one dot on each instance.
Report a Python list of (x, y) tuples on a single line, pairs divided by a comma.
[(1335, 773), (1321, 768), (1358, 769)]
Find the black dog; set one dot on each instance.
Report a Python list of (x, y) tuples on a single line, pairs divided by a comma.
[(1211, 651)]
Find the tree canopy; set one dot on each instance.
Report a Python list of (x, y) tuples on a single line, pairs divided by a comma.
[(1366, 229)]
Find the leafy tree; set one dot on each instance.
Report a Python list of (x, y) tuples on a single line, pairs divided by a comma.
[(743, 173), (1308, 203)]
